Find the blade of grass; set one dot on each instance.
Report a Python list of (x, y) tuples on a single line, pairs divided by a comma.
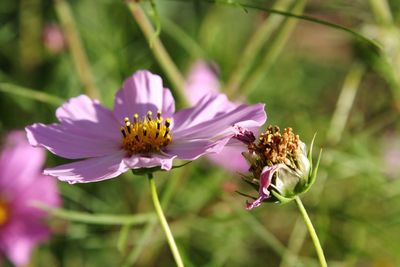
[(376, 46)]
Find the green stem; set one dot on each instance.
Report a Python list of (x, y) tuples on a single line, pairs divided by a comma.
[(75, 46), (158, 49), (163, 221), (312, 232), (30, 93)]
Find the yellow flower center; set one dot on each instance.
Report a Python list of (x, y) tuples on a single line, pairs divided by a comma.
[(145, 135), (4, 213)]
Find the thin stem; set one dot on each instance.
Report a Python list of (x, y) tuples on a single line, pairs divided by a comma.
[(76, 48), (164, 223), (313, 234), (158, 49)]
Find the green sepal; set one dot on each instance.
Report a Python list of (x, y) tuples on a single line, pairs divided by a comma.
[(281, 199), (314, 171)]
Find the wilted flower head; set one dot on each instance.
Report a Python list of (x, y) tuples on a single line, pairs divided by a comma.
[(279, 165), (143, 131), (202, 83), (22, 184)]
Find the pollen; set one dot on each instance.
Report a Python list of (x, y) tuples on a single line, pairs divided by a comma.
[(4, 212), (147, 134)]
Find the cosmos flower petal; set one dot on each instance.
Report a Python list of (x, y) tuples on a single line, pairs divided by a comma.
[(18, 238), (20, 173), (206, 109), (192, 149), (64, 140), (244, 115), (23, 203), (12, 163), (265, 181), (201, 81), (90, 170), (143, 92), (231, 157), (137, 162)]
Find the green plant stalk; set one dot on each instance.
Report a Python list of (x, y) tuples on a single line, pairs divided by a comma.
[(333, 136), (344, 103), (381, 11), (311, 230), (75, 46), (163, 222), (31, 94), (30, 27), (274, 49), (253, 47), (158, 49), (149, 229), (102, 219)]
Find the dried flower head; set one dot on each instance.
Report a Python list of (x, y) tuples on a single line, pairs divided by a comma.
[(279, 165)]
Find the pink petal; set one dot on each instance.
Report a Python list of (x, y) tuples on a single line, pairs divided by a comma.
[(20, 163), (89, 118), (47, 193), (90, 170), (19, 236), (65, 139), (140, 93), (192, 149), (265, 181), (205, 110), (154, 160), (231, 157), (201, 81), (244, 115)]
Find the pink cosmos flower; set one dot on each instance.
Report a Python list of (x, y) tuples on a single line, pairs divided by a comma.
[(202, 82), (21, 184), (142, 130)]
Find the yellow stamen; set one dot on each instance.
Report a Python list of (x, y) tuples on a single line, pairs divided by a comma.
[(4, 212), (145, 135)]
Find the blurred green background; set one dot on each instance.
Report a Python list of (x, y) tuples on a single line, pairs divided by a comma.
[(312, 77)]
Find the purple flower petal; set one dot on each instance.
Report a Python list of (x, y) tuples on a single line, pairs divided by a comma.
[(19, 236), (192, 149), (244, 116), (21, 183), (64, 140), (206, 109), (84, 116), (140, 93), (137, 162), (265, 181), (201, 81), (90, 170), (14, 164), (231, 157)]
